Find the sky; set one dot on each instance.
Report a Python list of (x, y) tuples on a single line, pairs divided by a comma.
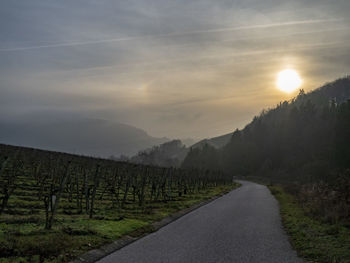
[(174, 68)]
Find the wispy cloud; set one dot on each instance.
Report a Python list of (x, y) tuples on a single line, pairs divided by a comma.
[(130, 69), (215, 30)]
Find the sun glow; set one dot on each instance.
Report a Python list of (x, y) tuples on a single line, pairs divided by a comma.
[(288, 80)]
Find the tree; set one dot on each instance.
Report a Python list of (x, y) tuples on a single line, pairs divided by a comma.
[(342, 137)]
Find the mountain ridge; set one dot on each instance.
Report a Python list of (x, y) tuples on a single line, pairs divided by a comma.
[(81, 135)]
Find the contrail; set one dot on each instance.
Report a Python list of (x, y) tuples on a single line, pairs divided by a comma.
[(291, 23), (71, 44), (215, 30)]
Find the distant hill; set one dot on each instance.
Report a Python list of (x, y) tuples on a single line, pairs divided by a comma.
[(188, 141), (87, 136), (169, 154), (216, 142)]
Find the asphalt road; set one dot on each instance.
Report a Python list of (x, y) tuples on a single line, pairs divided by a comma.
[(242, 226)]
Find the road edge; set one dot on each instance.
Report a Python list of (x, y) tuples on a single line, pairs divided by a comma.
[(94, 255)]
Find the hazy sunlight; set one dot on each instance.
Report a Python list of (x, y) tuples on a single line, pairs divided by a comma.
[(288, 80)]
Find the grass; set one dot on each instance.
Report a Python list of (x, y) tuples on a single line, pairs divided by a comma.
[(314, 240), (23, 238)]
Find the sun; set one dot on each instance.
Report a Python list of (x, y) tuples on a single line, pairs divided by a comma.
[(288, 80)]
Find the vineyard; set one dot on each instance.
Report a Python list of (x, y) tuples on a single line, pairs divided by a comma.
[(54, 206)]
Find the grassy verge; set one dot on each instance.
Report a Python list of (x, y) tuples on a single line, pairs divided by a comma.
[(315, 241), (22, 238)]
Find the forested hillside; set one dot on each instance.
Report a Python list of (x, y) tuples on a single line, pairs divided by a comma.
[(304, 139)]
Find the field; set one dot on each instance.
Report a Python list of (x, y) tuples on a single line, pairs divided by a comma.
[(55, 206)]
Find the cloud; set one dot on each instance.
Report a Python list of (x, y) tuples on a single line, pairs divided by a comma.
[(138, 38), (174, 68)]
